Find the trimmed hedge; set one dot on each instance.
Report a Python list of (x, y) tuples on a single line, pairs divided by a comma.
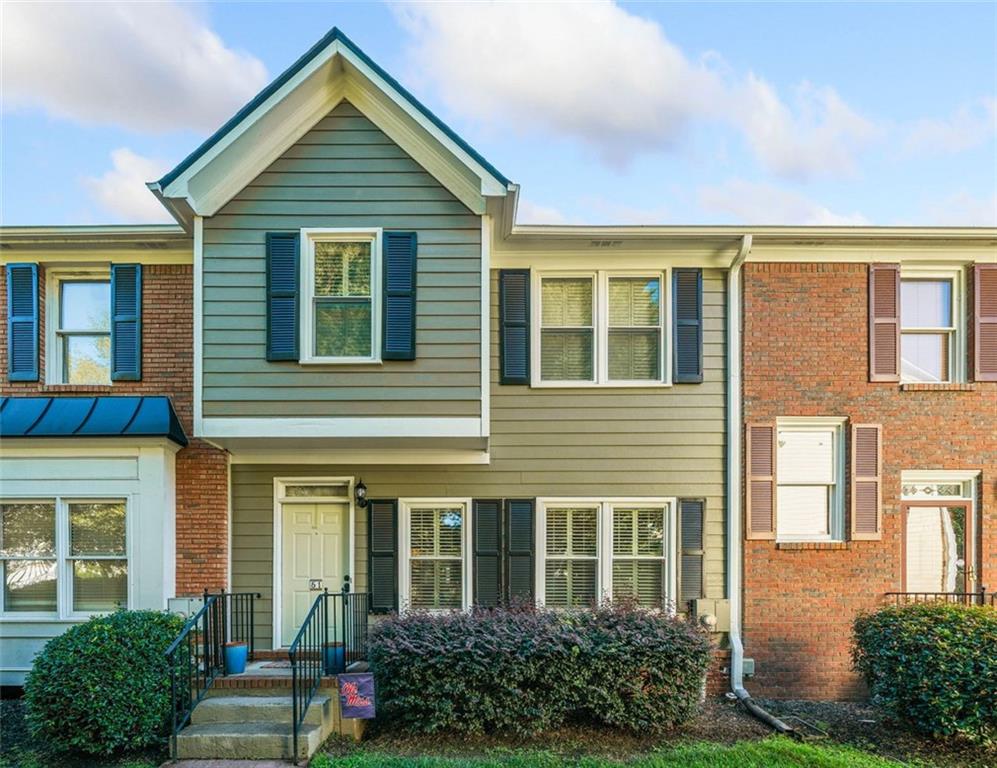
[(530, 670), (103, 686), (933, 665)]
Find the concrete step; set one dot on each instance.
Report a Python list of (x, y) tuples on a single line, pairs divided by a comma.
[(249, 740), (265, 709)]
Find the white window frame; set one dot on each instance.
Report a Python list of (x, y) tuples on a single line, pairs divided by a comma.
[(64, 560), (600, 335), (604, 541), (54, 352), (405, 507), (957, 346), (309, 237), (836, 503)]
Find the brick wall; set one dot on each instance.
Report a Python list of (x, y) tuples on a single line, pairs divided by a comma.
[(167, 369), (806, 354)]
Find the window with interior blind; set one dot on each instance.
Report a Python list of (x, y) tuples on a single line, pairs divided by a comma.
[(572, 549), (600, 328), (810, 481), (340, 305), (63, 557), (930, 337), (437, 555), (639, 566)]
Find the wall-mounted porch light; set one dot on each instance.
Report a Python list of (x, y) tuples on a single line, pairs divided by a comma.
[(360, 492)]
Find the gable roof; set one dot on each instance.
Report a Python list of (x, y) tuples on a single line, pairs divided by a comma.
[(183, 201)]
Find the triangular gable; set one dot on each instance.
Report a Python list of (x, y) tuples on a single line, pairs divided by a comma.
[(332, 70)]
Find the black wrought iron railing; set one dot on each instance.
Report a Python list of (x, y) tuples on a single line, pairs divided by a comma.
[(197, 656), (982, 597), (332, 638)]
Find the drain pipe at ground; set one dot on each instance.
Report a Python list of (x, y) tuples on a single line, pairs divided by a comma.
[(734, 539)]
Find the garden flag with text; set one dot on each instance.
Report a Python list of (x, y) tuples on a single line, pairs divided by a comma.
[(356, 696)]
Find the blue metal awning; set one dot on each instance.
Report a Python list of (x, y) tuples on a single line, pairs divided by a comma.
[(89, 417)]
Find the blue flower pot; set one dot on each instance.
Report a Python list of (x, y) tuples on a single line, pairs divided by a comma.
[(235, 658), (335, 658)]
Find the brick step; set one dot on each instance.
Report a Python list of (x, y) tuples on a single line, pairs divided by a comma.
[(248, 740), (268, 709), (261, 685)]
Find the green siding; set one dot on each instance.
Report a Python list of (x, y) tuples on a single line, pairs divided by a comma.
[(544, 442), (343, 173)]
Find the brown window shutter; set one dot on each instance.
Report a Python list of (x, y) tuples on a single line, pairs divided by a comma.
[(985, 330), (761, 481), (884, 322), (867, 482)]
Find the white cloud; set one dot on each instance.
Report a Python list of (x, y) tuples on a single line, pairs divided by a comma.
[(822, 137), (144, 66), (967, 128), (528, 212), (121, 191), (611, 79), (961, 209), (749, 202)]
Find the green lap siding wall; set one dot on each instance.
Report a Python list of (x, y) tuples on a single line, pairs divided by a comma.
[(345, 172), (666, 441)]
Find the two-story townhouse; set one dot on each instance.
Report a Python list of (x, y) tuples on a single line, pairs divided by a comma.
[(406, 391), (870, 438), (107, 498)]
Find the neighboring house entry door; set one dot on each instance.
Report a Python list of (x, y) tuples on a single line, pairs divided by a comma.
[(938, 547), (313, 558)]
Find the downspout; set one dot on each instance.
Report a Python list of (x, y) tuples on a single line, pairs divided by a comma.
[(734, 537)]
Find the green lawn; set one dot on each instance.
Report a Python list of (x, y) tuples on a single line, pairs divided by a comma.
[(773, 752)]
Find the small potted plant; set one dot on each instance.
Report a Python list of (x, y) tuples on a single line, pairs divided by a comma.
[(236, 654)]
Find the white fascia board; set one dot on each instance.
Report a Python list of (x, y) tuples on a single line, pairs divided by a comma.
[(367, 456), (360, 427)]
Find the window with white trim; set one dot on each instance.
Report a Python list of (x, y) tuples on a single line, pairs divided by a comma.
[(601, 328), (595, 550), (436, 554), (810, 480), (63, 557), (932, 330), (340, 302), (79, 327)]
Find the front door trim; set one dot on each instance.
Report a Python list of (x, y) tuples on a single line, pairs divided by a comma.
[(280, 498)]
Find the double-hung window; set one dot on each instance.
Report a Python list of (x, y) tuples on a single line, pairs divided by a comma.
[(63, 557), (810, 485), (340, 278), (436, 541), (930, 337), (597, 550), (80, 323), (601, 328)]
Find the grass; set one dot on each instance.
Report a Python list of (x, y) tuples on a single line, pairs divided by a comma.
[(773, 752)]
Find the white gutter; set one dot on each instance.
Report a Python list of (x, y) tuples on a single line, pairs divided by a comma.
[(734, 537)]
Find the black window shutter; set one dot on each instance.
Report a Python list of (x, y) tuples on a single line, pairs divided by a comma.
[(382, 535), (514, 326), (126, 322), (400, 258), (283, 289), (688, 327), (519, 550), (691, 521), (488, 553), (22, 322)]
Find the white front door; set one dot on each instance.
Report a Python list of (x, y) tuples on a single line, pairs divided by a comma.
[(313, 557)]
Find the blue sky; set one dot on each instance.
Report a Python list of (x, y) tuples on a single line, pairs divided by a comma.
[(668, 113)]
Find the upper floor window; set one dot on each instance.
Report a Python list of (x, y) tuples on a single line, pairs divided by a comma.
[(810, 489), (601, 328), (341, 322), (80, 336), (931, 331)]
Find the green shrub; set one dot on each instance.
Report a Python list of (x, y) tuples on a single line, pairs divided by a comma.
[(104, 685), (528, 670), (933, 665)]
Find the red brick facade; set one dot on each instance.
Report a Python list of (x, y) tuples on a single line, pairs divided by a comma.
[(167, 369), (806, 341)]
